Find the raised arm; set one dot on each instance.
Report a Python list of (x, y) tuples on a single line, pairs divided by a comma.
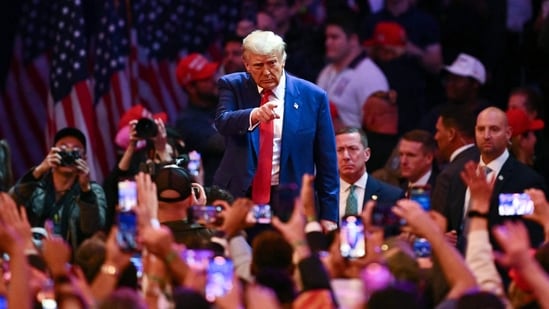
[(513, 239), (233, 115), (457, 274), (12, 243), (478, 255)]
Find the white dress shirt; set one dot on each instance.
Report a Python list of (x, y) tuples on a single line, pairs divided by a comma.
[(360, 191), (495, 167)]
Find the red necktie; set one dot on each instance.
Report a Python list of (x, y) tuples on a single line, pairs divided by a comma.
[(261, 185)]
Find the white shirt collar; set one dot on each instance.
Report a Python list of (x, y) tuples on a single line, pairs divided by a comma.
[(460, 150), (496, 164), (423, 180), (361, 182)]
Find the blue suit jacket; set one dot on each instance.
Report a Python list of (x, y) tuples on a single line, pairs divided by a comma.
[(307, 146)]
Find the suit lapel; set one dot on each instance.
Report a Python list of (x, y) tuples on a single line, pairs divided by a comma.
[(504, 173), (372, 188), (291, 118)]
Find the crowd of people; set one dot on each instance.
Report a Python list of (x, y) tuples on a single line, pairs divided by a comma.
[(330, 160)]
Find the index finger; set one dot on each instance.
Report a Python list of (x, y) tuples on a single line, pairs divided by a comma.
[(48, 226)]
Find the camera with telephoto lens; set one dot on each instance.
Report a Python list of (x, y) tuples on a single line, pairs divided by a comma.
[(146, 128), (69, 158)]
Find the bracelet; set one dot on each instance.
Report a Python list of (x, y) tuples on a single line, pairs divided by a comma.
[(299, 243), (170, 257), (109, 269), (477, 214), (156, 279), (311, 219)]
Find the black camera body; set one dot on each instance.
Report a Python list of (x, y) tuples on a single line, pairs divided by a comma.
[(146, 128), (69, 158)]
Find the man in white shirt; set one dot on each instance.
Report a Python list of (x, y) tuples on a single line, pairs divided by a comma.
[(351, 76)]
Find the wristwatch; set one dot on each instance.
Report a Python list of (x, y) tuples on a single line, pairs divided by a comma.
[(477, 214), (109, 269)]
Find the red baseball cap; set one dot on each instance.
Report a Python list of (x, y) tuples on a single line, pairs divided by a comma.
[(137, 112), (520, 123), (387, 33), (194, 67)]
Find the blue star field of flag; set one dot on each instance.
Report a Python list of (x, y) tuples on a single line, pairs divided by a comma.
[(69, 54)]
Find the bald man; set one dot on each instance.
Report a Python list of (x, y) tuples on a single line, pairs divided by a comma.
[(492, 135)]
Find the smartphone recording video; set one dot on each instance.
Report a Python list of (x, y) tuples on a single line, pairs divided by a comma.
[(352, 242), (205, 214), (197, 258), (127, 195), (421, 195), (261, 214), (515, 204), (194, 163), (137, 261), (219, 278), (127, 231)]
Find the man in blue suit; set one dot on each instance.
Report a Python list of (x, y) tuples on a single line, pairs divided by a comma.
[(356, 186), (302, 132)]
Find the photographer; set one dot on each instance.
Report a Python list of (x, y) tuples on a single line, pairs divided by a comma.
[(147, 143), (59, 189)]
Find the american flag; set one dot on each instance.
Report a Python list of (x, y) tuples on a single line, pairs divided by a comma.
[(70, 103), (84, 62)]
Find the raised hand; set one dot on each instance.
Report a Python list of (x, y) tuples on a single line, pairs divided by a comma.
[(541, 208), (83, 169), (114, 255), (307, 196), (417, 219), (147, 200), (52, 160), (514, 240), (10, 216), (234, 217), (57, 254), (161, 138), (481, 189)]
